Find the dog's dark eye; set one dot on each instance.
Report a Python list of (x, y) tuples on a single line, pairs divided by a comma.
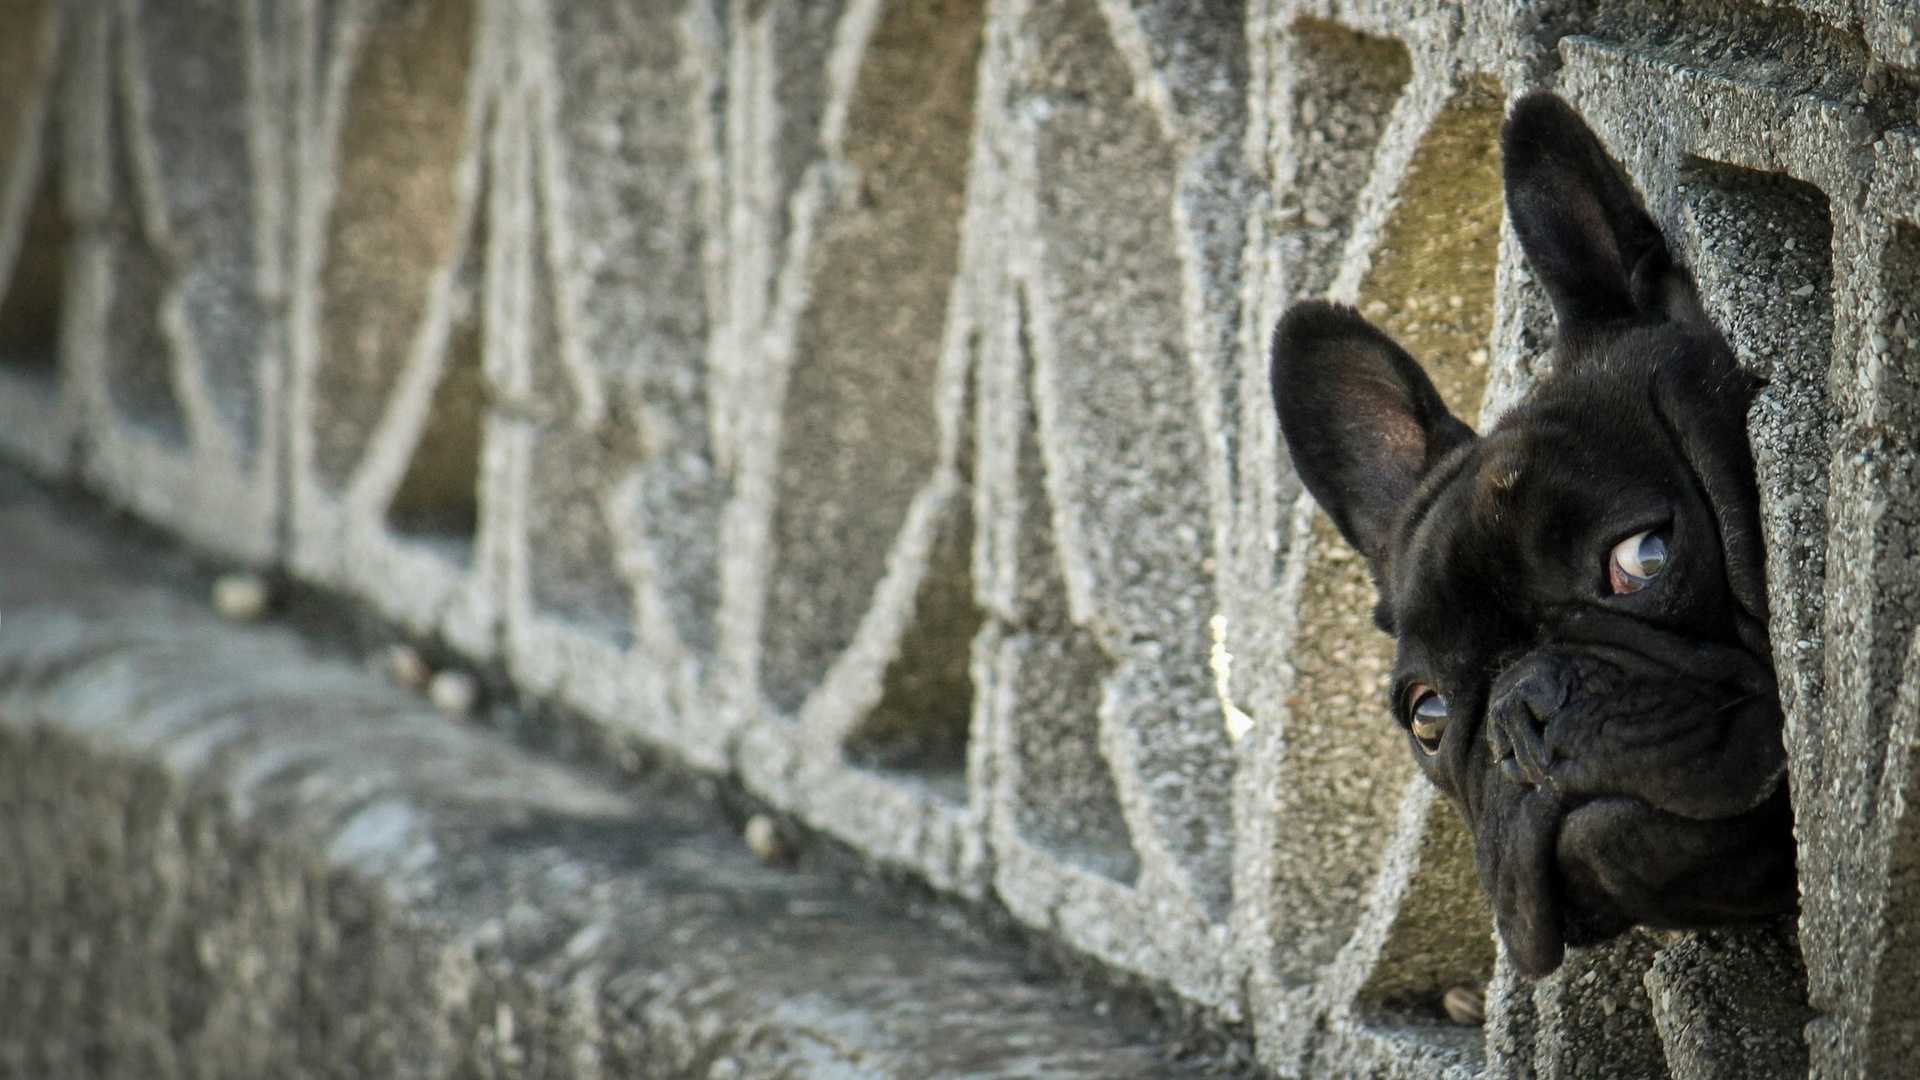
[(1637, 560), (1426, 716)]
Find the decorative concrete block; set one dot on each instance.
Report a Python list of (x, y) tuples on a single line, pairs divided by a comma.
[(868, 400)]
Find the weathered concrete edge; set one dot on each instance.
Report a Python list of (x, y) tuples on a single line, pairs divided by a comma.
[(515, 915)]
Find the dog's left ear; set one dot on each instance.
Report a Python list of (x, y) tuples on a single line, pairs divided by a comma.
[(1361, 419), (1586, 235)]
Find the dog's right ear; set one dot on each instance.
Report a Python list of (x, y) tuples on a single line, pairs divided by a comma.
[(1361, 419)]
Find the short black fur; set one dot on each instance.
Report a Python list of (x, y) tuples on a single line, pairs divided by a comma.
[(1617, 754)]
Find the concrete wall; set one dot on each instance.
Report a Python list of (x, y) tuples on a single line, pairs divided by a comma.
[(867, 399)]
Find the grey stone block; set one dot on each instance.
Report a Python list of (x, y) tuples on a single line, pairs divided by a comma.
[(1593, 1017), (1731, 1005), (626, 223)]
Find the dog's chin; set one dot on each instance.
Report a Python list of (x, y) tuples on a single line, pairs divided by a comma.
[(1580, 875)]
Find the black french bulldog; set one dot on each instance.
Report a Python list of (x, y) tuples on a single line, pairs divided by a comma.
[(1577, 597)]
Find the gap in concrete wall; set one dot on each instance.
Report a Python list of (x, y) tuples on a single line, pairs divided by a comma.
[(437, 501), (1441, 938), (859, 432), (395, 218), (25, 85), (33, 287), (1344, 84), (921, 724), (1431, 286), (35, 291)]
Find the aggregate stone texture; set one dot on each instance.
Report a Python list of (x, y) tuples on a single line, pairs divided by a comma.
[(237, 855), (867, 400)]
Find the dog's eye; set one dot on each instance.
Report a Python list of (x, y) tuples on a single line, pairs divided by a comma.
[(1426, 716), (1637, 560)]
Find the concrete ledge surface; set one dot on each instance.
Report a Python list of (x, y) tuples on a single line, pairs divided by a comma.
[(231, 854)]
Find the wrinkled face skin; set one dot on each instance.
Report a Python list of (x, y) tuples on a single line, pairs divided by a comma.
[(1575, 671), (1577, 597)]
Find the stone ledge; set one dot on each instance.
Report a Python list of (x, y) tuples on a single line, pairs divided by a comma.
[(232, 855)]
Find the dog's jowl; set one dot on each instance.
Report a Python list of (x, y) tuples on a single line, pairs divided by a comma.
[(1576, 596)]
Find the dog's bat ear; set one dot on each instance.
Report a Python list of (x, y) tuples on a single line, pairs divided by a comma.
[(1361, 419), (1589, 240)]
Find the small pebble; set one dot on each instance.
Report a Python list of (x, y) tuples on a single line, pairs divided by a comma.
[(1465, 1005), (763, 839), (405, 666), (453, 692), (241, 597)]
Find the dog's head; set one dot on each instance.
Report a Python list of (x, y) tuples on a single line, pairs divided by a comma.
[(1577, 596)]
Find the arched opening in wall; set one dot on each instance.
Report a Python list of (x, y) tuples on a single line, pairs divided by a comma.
[(1342, 87), (395, 219), (921, 724), (33, 293), (860, 432), (1346, 771), (437, 502), (1431, 286), (33, 246)]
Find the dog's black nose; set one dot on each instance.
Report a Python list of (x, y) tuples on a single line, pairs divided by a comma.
[(1521, 711)]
